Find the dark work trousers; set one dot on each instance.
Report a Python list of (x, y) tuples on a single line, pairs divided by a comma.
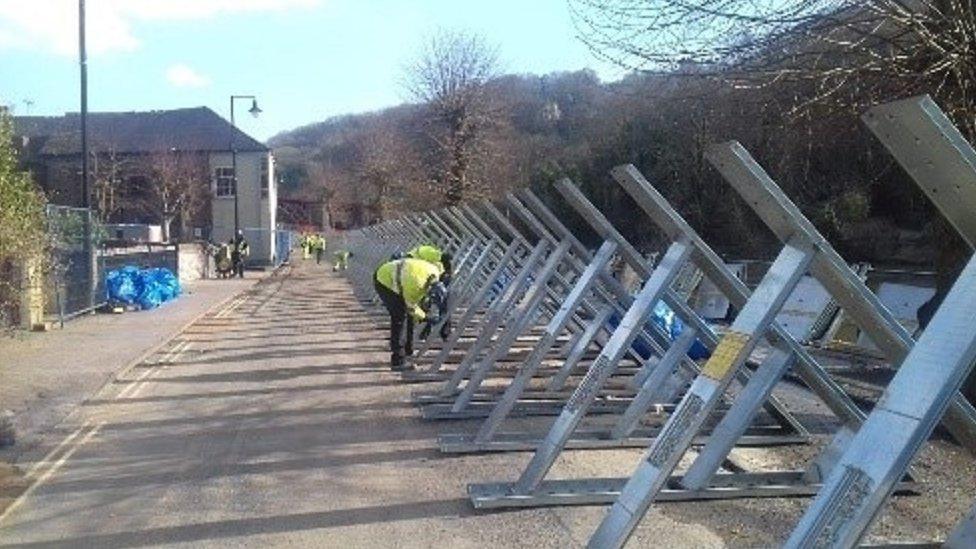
[(238, 264), (400, 346)]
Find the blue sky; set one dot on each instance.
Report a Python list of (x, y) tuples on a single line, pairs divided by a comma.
[(306, 60)]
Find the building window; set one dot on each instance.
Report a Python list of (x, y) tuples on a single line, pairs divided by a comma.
[(224, 181), (264, 177)]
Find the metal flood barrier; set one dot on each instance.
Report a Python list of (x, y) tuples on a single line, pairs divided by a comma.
[(926, 386), (542, 329), (805, 249), (531, 489)]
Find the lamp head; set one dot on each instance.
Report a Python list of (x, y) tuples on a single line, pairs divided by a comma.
[(254, 110)]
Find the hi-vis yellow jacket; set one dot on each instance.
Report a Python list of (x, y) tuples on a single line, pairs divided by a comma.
[(409, 278), (430, 254)]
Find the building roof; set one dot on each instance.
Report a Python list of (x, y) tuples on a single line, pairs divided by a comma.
[(193, 129)]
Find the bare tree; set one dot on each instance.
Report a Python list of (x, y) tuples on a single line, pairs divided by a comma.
[(175, 185), (109, 172), (451, 77), (814, 64), (839, 53), (381, 168)]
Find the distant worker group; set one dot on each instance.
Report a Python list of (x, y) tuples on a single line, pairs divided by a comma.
[(316, 244), (414, 288), (312, 243), (229, 257)]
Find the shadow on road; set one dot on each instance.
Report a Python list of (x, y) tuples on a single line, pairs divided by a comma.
[(267, 525), (248, 392)]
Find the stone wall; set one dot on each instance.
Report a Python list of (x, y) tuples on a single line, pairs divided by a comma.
[(194, 262)]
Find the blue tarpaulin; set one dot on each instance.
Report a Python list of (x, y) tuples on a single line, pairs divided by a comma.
[(146, 287), (664, 317)]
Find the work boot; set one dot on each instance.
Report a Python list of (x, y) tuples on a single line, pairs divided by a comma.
[(399, 364), (401, 367)]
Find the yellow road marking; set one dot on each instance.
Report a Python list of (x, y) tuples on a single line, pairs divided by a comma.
[(53, 469), (67, 440), (73, 443), (136, 387), (167, 357), (231, 307)]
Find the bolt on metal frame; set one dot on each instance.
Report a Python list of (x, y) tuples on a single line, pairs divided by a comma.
[(510, 265), (737, 419), (485, 438), (553, 295), (462, 372), (599, 222), (398, 235)]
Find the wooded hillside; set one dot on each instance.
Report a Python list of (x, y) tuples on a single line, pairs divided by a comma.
[(792, 96)]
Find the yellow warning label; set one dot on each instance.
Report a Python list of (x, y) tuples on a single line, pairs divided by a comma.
[(724, 355)]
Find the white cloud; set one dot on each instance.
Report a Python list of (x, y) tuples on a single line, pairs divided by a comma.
[(182, 76), (52, 25)]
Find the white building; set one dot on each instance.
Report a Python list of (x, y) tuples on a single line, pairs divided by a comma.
[(257, 202)]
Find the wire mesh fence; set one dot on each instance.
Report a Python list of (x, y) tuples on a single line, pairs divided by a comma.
[(144, 256), (74, 277), (284, 241), (268, 246), (80, 261)]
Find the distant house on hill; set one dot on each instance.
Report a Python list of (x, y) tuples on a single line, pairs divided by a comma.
[(136, 157)]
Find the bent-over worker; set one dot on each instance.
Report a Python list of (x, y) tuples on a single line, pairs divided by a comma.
[(411, 291), (341, 260)]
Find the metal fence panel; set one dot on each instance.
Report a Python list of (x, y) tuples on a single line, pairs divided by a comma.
[(74, 276), (284, 240)]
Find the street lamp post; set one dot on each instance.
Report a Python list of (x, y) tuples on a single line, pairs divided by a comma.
[(90, 264), (255, 111)]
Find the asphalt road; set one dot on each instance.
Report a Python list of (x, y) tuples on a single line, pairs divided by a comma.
[(44, 377), (273, 421)]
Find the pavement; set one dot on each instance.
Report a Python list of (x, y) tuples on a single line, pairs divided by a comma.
[(44, 376), (273, 420)]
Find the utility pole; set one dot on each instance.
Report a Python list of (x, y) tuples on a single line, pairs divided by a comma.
[(86, 199), (85, 193)]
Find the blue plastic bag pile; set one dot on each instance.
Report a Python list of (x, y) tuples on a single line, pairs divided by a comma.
[(146, 287), (664, 317)]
